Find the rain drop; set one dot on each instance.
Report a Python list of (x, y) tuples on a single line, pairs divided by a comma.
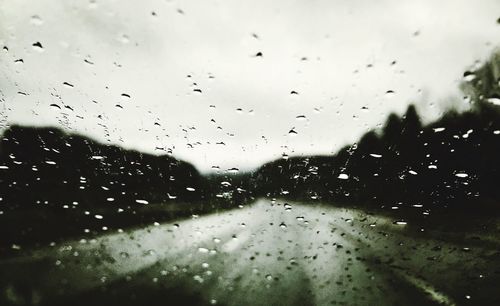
[(37, 46)]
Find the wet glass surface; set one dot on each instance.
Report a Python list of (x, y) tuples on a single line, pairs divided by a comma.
[(249, 153)]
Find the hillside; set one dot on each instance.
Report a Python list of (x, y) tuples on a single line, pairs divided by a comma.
[(450, 163), (53, 184)]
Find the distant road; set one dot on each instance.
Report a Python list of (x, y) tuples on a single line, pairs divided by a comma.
[(264, 254)]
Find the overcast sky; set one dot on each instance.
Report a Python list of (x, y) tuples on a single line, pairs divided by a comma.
[(350, 62)]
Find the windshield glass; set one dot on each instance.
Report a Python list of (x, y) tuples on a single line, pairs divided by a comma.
[(249, 152)]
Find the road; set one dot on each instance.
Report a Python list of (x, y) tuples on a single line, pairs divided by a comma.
[(267, 253)]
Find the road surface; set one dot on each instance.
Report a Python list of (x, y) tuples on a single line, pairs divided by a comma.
[(267, 253)]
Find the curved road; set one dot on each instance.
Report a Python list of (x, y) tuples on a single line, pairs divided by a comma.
[(268, 253)]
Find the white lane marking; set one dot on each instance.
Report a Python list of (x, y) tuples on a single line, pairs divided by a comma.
[(426, 287)]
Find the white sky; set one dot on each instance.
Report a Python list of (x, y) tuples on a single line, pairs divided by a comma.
[(349, 46)]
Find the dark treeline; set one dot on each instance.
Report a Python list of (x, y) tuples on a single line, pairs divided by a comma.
[(80, 169), (447, 163), (53, 184), (452, 163)]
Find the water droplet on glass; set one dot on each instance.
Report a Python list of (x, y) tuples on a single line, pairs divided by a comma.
[(439, 129), (469, 76), (343, 176), (233, 170), (36, 20), (124, 39), (495, 101), (198, 278), (203, 250), (37, 46), (389, 94)]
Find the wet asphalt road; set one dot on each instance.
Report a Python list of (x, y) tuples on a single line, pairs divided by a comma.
[(268, 253)]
